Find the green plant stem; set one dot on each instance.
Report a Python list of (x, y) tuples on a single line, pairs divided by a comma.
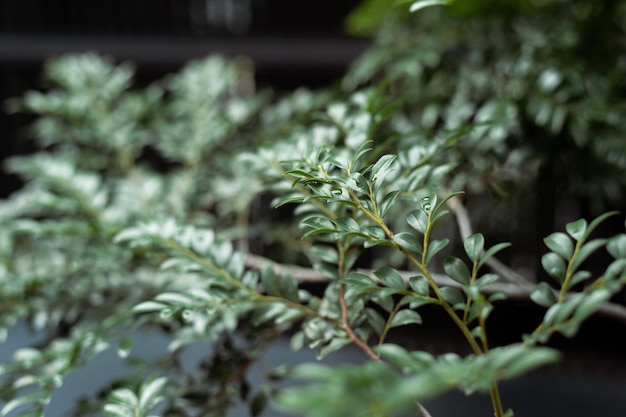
[(426, 239), (569, 272), (495, 400), (444, 304), (476, 348), (494, 391), (469, 300), (393, 313), (433, 284)]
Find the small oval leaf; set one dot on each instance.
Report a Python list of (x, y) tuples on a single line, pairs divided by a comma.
[(543, 295), (554, 265), (409, 242), (404, 317), (561, 244), (474, 246), (390, 278), (457, 270), (418, 220), (577, 229)]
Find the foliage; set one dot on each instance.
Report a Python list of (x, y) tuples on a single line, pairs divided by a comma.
[(145, 208), (544, 80)]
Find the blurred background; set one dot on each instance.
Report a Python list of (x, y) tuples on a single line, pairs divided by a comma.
[(291, 43), (297, 43)]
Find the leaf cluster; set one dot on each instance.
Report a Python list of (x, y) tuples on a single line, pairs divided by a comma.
[(144, 207)]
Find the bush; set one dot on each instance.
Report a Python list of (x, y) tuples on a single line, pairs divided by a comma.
[(147, 209)]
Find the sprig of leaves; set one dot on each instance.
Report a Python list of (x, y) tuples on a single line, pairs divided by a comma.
[(566, 311)]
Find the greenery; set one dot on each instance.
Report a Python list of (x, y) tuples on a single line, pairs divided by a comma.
[(149, 209)]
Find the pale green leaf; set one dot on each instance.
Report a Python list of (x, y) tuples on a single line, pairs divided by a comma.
[(474, 246), (404, 317), (543, 295), (418, 220), (409, 242), (389, 277), (554, 265), (421, 4), (561, 244), (457, 270), (577, 229)]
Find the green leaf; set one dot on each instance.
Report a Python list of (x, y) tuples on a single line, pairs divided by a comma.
[(375, 320), (409, 242), (382, 167), (347, 224), (250, 279), (492, 251), (577, 229), (390, 278), (579, 276), (378, 242), (298, 173), (387, 203), (175, 299), (457, 270), (124, 347), (269, 311), (149, 393), (396, 354), (421, 4), (420, 285), (554, 265), (453, 296), (385, 301), (117, 410), (560, 244), (558, 313), (324, 253), (528, 359), (543, 295), (360, 281), (288, 200), (616, 270), (596, 222), (41, 397), (404, 317), (148, 307), (486, 280), (418, 220), (586, 250), (357, 182), (283, 285), (591, 303), (617, 246), (435, 247), (319, 225), (363, 150), (443, 202), (474, 246)]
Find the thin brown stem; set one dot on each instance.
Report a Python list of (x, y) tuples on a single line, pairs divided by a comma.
[(348, 329), (519, 291), (345, 320)]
